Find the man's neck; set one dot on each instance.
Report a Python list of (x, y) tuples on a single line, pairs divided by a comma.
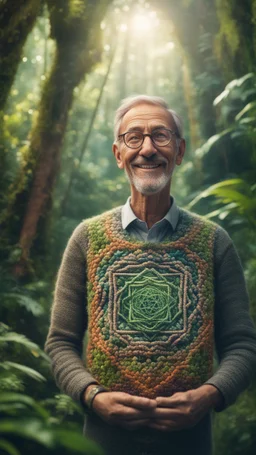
[(150, 208)]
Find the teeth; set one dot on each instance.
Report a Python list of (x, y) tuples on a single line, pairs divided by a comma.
[(144, 166)]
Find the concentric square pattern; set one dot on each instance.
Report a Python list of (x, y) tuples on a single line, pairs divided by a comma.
[(148, 304)]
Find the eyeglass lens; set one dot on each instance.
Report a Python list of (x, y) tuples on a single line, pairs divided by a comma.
[(159, 137)]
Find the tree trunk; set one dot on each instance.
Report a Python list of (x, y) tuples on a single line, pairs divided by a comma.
[(16, 22), (77, 48), (15, 25), (235, 42), (189, 95)]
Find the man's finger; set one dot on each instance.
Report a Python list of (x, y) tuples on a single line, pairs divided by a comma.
[(166, 413), (136, 402), (127, 413), (168, 402)]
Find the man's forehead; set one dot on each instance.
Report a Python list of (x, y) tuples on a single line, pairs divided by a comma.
[(147, 113)]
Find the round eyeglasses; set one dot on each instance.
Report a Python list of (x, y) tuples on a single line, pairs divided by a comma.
[(160, 137)]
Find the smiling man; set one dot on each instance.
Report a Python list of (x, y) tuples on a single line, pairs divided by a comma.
[(156, 287), (148, 129)]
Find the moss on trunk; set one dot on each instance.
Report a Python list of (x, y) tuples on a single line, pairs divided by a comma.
[(15, 26), (235, 41), (76, 32)]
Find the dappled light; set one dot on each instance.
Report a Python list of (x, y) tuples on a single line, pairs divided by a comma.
[(145, 23), (65, 67)]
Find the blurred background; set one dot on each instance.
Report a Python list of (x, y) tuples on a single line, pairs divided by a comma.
[(65, 66)]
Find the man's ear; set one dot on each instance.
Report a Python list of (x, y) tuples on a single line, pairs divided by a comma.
[(116, 151), (181, 152)]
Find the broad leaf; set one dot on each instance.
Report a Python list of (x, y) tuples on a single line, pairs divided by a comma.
[(246, 109), (21, 339), (212, 141), (77, 442), (24, 369), (212, 190), (8, 447), (24, 400), (32, 428)]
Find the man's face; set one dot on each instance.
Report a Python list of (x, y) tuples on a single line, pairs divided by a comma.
[(148, 168)]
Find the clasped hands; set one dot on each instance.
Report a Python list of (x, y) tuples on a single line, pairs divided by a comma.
[(179, 411)]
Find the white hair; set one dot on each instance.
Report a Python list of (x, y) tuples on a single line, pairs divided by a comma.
[(132, 101)]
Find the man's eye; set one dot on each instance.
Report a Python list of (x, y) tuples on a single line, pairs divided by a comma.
[(160, 135), (134, 137)]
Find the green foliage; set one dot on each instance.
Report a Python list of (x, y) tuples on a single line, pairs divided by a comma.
[(234, 42), (236, 198), (63, 407), (232, 152), (228, 28), (254, 22), (76, 8), (235, 97), (228, 162), (242, 416), (15, 24), (250, 274), (8, 447), (11, 382), (23, 300), (17, 300), (6, 336), (219, 177), (9, 366), (25, 419)]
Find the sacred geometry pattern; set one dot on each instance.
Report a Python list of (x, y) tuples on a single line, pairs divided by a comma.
[(148, 303), (150, 307)]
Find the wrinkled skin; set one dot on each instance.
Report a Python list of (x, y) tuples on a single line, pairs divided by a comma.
[(181, 410)]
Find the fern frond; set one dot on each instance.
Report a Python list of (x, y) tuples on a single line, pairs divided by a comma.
[(25, 301), (8, 447), (24, 369), (23, 340), (25, 400)]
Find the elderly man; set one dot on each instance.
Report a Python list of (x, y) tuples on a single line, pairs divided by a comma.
[(155, 286)]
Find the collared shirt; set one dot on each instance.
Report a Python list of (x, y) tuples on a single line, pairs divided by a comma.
[(138, 228)]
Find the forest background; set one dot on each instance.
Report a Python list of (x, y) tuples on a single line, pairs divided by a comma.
[(65, 65)]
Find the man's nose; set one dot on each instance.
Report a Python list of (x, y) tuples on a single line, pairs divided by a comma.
[(148, 148)]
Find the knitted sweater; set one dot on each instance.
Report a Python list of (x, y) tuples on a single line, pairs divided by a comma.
[(234, 334), (150, 307)]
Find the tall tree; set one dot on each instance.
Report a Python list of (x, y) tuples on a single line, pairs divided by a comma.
[(15, 26), (236, 40), (75, 28)]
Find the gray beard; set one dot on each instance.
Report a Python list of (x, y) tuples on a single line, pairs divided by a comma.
[(148, 188)]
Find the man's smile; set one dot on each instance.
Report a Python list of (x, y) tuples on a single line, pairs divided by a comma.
[(147, 166)]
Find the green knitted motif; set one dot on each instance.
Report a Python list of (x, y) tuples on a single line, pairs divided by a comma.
[(149, 303), (150, 306)]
